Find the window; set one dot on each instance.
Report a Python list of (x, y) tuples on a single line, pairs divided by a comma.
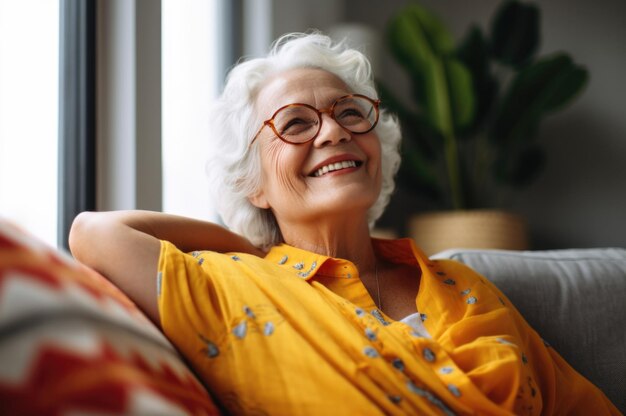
[(29, 82), (193, 67), (190, 79)]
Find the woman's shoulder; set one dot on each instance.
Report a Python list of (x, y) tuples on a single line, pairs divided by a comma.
[(207, 261)]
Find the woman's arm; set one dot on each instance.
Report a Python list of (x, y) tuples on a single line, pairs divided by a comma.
[(124, 246)]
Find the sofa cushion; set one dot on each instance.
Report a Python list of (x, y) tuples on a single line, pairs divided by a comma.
[(573, 298), (72, 343)]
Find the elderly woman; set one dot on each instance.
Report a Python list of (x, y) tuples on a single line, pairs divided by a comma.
[(298, 310)]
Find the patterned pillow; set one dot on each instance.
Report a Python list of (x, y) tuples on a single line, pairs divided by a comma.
[(72, 343)]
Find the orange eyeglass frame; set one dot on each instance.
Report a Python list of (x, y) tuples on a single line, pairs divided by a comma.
[(330, 111)]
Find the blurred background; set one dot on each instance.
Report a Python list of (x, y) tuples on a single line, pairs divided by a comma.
[(103, 105)]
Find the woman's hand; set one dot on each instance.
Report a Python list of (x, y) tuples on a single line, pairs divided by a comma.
[(124, 246)]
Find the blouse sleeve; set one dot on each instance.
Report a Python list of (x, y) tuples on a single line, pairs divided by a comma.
[(548, 379), (189, 306)]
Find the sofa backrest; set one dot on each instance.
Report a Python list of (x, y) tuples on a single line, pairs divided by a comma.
[(575, 299)]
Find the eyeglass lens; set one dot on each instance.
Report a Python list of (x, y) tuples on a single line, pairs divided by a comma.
[(300, 123)]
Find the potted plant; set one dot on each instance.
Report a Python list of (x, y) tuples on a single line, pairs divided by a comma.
[(470, 137)]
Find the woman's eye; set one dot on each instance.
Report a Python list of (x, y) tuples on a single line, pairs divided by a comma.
[(295, 125), (351, 113)]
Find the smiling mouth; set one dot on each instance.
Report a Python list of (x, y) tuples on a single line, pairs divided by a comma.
[(332, 167)]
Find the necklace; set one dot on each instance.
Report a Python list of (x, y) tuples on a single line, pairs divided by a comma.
[(380, 304)]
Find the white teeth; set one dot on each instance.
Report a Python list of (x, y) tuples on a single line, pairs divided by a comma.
[(335, 166)]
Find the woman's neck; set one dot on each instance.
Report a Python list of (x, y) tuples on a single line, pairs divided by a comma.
[(340, 238)]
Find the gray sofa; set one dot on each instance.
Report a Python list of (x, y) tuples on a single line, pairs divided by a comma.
[(575, 299)]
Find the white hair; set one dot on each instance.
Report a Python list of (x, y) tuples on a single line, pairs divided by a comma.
[(234, 173)]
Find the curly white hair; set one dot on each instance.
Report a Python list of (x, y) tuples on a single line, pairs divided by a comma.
[(234, 173)]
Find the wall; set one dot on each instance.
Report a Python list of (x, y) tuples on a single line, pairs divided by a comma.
[(301, 15), (580, 199)]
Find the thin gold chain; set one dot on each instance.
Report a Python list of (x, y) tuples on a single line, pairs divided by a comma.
[(380, 304)]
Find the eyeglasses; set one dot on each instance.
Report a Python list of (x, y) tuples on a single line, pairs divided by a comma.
[(300, 123)]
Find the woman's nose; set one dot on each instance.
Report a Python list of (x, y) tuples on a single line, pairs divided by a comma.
[(331, 132)]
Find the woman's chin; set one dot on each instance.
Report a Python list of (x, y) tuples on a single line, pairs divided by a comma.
[(354, 206)]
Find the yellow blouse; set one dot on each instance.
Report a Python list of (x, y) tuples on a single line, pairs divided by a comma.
[(296, 333)]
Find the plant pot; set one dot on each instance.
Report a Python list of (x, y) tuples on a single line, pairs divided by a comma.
[(484, 229)]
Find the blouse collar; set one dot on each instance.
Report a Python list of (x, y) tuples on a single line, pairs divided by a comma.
[(306, 264)]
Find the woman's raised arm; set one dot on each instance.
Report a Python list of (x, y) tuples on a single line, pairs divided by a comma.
[(124, 246)]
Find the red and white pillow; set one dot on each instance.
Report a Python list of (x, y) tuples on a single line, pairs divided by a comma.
[(72, 343)]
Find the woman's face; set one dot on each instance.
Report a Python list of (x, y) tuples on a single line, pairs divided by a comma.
[(292, 183)]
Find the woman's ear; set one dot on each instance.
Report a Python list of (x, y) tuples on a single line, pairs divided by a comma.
[(259, 200)]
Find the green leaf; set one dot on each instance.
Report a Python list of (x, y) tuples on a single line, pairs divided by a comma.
[(415, 127), (437, 101), (418, 173), (474, 53), (521, 169), (515, 33), (419, 40), (566, 88), (410, 40), (416, 33), (547, 85), (461, 92)]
